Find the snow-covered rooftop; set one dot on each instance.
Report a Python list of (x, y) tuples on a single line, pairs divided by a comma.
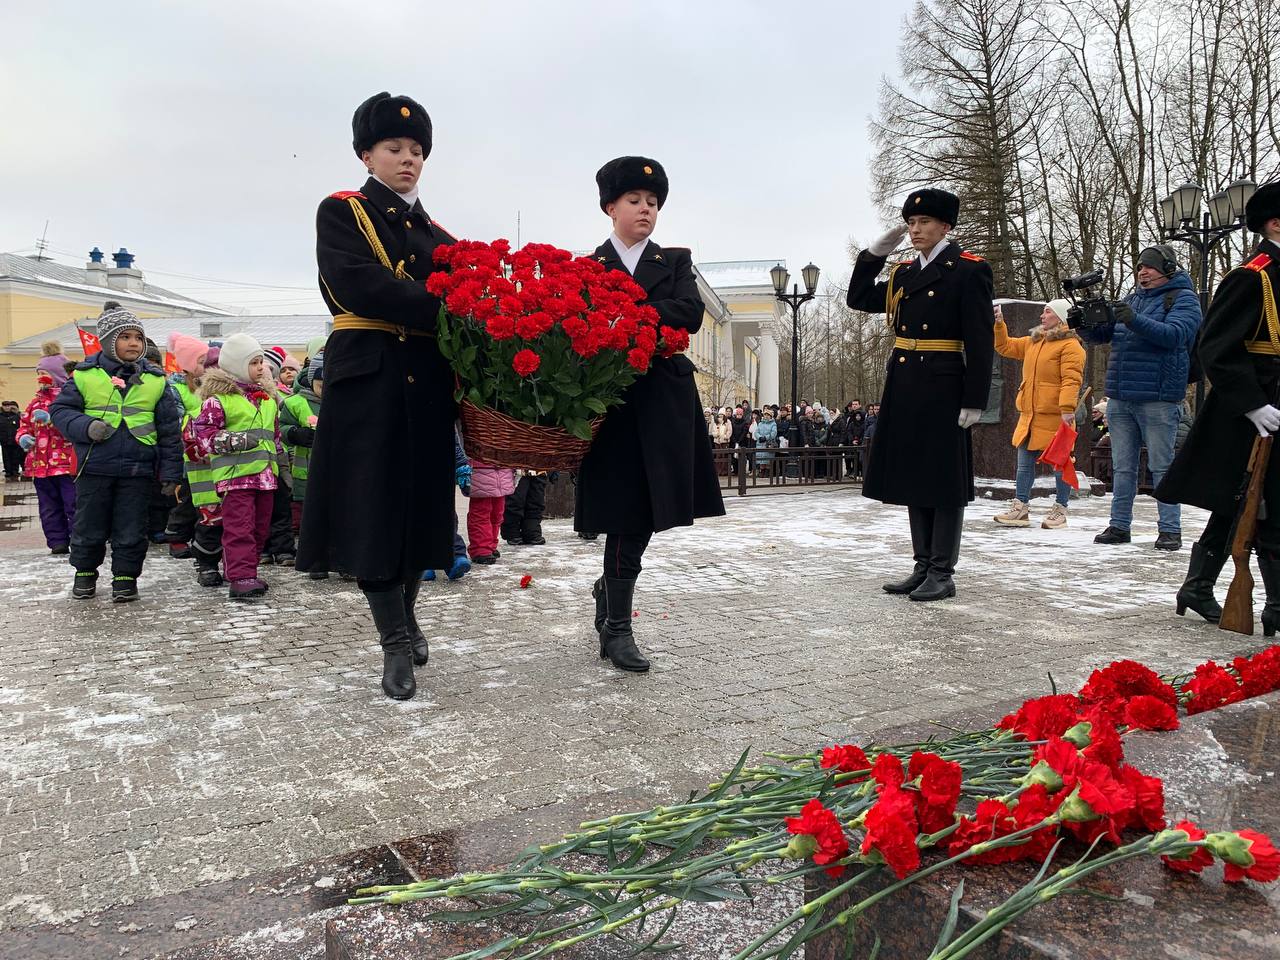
[(14, 266), (739, 273)]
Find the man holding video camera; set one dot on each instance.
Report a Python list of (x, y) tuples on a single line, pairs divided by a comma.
[(1151, 334)]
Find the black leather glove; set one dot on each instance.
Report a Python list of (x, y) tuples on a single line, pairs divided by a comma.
[(304, 437), (1123, 312)]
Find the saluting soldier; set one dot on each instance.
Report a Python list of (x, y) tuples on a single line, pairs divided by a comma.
[(380, 488), (1240, 355), (938, 306), (650, 467)]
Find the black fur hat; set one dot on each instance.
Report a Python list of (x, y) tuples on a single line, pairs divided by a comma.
[(383, 116), (931, 202), (631, 173), (1262, 206)]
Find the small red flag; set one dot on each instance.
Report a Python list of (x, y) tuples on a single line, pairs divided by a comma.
[(171, 363), (1058, 454), (89, 342)]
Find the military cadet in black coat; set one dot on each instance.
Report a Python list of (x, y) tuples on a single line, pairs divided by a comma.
[(380, 493), (939, 307), (650, 467), (1240, 354)]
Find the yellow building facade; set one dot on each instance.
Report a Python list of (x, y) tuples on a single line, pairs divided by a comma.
[(41, 300)]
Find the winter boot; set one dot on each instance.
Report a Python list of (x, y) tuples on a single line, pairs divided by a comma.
[(1056, 518), (1269, 567), (617, 642), (921, 520), (1018, 515), (180, 551), (208, 576), (417, 642), (319, 574), (124, 589), (387, 607), (947, 527), (246, 589), (1196, 591), (602, 603), (429, 576), (1113, 534), (458, 569), (85, 585)]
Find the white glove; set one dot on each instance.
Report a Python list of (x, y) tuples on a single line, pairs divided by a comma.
[(886, 244), (1266, 419), (969, 416)]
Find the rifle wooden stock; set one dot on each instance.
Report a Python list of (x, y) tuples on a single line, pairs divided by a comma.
[(1237, 611)]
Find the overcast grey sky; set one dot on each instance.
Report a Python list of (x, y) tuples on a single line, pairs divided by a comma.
[(201, 135)]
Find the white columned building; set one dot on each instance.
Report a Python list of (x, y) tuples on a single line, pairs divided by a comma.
[(754, 322)]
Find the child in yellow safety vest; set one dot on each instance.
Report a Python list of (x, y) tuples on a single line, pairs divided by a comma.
[(124, 423), (238, 433), (190, 355)]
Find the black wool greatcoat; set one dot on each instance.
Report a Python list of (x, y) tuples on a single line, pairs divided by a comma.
[(379, 499), (1208, 470), (650, 466), (919, 456)]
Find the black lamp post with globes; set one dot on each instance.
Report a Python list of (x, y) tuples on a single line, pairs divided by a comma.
[(794, 299)]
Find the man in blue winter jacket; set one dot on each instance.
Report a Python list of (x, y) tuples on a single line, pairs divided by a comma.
[(1151, 340)]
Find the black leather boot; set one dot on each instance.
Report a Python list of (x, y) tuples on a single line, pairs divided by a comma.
[(602, 603), (387, 607), (417, 642), (1196, 591), (1269, 567), (617, 642), (921, 522), (948, 522)]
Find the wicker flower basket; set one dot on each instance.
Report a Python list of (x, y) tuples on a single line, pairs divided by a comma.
[(502, 441)]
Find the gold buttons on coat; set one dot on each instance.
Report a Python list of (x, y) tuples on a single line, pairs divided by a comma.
[(931, 293), (902, 359), (924, 326), (413, 258), (903, 328), (410, 378), (408, 225)]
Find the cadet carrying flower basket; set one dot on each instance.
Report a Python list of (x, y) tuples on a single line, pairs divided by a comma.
[(542, 345)]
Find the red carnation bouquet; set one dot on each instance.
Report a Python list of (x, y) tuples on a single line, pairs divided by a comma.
[(543, 344)]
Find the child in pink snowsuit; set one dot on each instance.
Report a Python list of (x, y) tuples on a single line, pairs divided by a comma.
[(489, 489), (51, 462)]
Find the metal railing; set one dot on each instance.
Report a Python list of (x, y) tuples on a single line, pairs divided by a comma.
[(753, 467)]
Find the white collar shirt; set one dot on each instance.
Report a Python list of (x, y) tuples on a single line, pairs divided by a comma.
[(409, 198), (630, 256), (926, 259)]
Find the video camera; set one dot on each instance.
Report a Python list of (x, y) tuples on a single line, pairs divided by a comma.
[(1089, 310)]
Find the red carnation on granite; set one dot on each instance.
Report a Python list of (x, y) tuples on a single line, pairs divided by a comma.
[(1123, 680), (939, 784), (891, 831), (1194, 861), (1210, 688), (1044, 717), (525, 581), (1145, 712), (1260, 673), (821, 824), (1246, 854), (994, 819), (846, 758), (887, 771)]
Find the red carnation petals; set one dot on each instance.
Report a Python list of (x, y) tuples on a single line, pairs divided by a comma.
[(846, 758), (1210, 688), (525, 581), (817, 821), (1145, 712), (526, 362), (1195, 861)]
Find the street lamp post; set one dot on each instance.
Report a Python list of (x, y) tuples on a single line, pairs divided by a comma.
[(1179, 213), (794, 299)]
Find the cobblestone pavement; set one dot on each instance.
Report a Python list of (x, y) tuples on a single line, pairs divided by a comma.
[(151, 747)]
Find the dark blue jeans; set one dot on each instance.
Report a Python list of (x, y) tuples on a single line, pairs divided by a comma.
[(1155, 424)]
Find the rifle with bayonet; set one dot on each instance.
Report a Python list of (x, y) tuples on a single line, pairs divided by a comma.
[(1237, 611)]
